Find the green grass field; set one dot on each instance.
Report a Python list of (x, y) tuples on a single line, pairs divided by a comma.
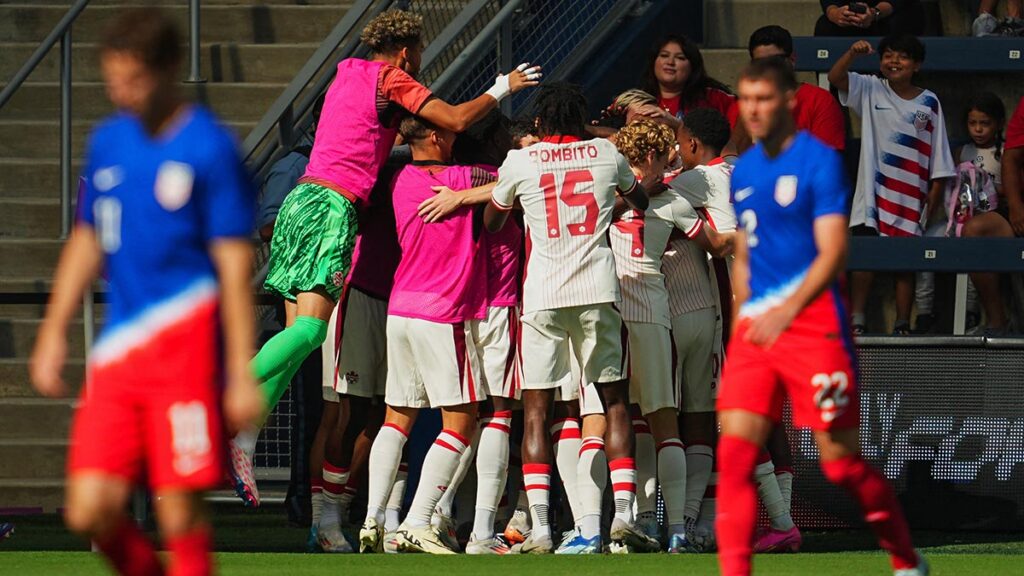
[(262, 543)]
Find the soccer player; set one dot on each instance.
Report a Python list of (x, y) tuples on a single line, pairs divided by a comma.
[(567, 188), (315, 233), (439, 290), (638, 241), (791, 337), (167, 213)]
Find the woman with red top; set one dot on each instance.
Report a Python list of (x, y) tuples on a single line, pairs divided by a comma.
[(677, 77)]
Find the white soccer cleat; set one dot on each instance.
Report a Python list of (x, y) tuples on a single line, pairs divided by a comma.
[(390, 543), (370, 537), (630, 535), (242, 478), (922, 568), (445, 527), (332, 540), (424, 539), (531, 545), (518, 528), (491, 546)]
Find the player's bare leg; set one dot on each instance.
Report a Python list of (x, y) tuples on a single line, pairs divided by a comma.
[(672, 473), (94, 509), (186, 532), (385, 459), (774, 476), (492, 456), (537, 468), (904, 302), (439, 467), (860, 288), (989, 225), (843, 465)]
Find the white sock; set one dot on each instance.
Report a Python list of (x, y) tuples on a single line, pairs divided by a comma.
[(316, 500), (623, 474), (672, 476), (785, 479), (590, 525), (246, 440), (646, 467), (700, 460), (513, 493), (591, 477), (770, 495), (706, 517), (385, 457), (393, 513), (491, 471), (565, 445), (447, 502), (439, 468), (335, 479), (537, 483)]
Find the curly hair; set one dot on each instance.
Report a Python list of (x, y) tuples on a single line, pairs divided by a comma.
[(393, 30), (642, 137), (561, 108)]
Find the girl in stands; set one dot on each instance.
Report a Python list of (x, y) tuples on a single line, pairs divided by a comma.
[(677, 77)]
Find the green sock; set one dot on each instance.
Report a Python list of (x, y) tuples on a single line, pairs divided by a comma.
[(280, 358)]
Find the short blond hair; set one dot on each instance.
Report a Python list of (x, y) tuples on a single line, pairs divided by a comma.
[(393, 30), (641, 137)]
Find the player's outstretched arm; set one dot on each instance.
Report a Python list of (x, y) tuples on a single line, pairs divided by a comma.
[(445, 201), (232, 257), (718, 244), (461, 116), (839, 75), (79, 264)]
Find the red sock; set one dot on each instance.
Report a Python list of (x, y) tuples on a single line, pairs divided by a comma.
[(190, 553), (878, 503), (737, 508), (130, 552)]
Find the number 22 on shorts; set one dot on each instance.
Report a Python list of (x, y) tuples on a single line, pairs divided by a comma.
[(830, 395), (569, 196)]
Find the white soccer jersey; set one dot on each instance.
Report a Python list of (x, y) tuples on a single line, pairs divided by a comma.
[(708, 187), (567, 191), (638, 242)]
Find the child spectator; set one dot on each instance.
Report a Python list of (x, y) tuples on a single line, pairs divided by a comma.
[(904, 157)]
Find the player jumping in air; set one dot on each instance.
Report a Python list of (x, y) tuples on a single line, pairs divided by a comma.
[(315, 233), (167, 213), (567, 188), (791, 337)]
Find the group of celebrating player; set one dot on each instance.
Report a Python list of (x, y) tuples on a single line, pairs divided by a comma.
[(524, 277)]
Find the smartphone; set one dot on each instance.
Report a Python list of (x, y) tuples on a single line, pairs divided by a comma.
[(858, 7)]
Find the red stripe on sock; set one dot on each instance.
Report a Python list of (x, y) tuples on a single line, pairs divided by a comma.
[(444, 444), (316, 482), (536, 469), (529, 487), (591, 446), (784, 470), (333, 488), (457, 436), (403, 467), (396, 427), (763, 457), (317, 489), (622, 464), (499, 426), (328, 467), (643, 428), (501, 414), (624, 486), (668, 443)]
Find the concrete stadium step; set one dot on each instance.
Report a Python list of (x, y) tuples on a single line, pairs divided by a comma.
[(30, 217), (234, 102), (32, 494), (225, 61), (253, 22), (15, 383), (18, 336), (729, 23), (26, 418), (41, 138), (32, 458), (34, 178), (28, 258)]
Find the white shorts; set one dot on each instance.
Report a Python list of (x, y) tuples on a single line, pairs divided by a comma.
[(651, 383), (694, 336), (575, 390), (355, 352), (593, 334), (431, 365), (495, 338)]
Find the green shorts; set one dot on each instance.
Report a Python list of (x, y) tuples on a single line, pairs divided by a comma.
[(314, 236)]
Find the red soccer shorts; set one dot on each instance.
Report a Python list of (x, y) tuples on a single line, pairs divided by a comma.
[(813, 363), (154, 411)]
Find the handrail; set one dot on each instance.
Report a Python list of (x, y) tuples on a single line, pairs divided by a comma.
[(474, 50)]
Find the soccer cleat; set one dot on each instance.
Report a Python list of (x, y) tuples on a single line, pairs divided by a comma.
[(370, 537), (518, 528), (445, 527), (922, 569), (647, 522), (390, 543), (313, 540), (6, 530), (630, 535), (702, 539), (333, 541), (423, 539), (577, 544), (773, 541), (491, 546), (534, 546), (242, 477)]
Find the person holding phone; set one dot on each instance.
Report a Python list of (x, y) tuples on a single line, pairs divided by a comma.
[(870, 18)]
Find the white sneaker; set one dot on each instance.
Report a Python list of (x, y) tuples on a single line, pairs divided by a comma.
[(630, 535), (332, 540), (370, 536), (984, 25), (922, 568), (490, 546), (542, 545), (445, 527), (423, 539), (518, 528)]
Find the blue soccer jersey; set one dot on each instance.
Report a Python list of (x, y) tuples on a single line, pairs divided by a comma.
[(777, 200), (156, 203)]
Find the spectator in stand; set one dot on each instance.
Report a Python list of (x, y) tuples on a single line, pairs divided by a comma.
[(1006, 221), (904, 157), (677, 78), (870, 18), (816, 110), (986, 24), (283, 175)]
